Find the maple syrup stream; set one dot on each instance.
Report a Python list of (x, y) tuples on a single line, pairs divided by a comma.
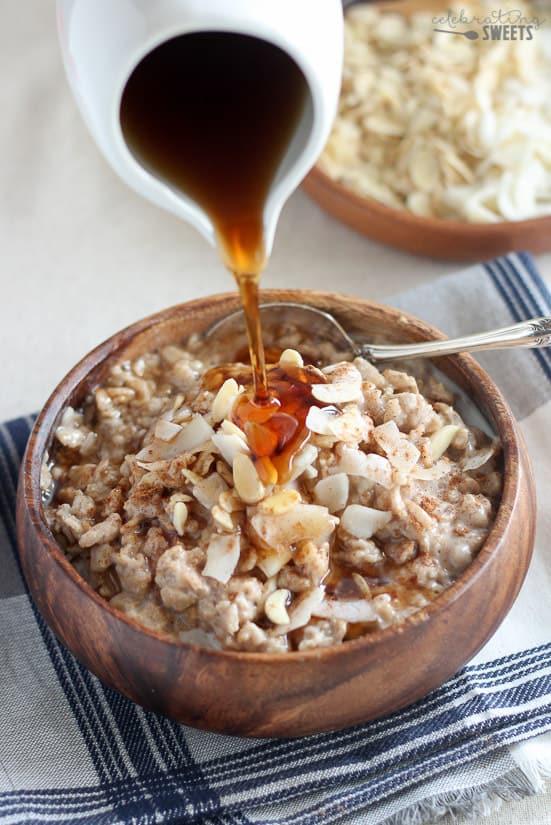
[(212, 114)]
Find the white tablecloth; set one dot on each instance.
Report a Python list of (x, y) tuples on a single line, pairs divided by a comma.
[(82, 256)]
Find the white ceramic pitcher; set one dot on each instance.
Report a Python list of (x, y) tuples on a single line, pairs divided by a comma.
[(104, 40)]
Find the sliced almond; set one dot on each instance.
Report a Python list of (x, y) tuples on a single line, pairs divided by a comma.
[(351, 427), (182, 415), (343, 372), (382, 125), (222, 557), (191, 477), (192, 435), (364, 522), (208, 489), (290, 358), (478, 459), (441, 440), (378, 469), (310, 472), (348, 610), (419, 519), (387, 434), (248, 486), (401, 453), (223, 401), (229, 502), (345, 385), (229, 445), (424, 169), (222, 518), (196, 432), (275, 606), (179, 497), (361, 585), (280, 502), (374, 467), (225, 471), (166, 430), (332, 492), (319, 420), (151, 465), (336, 393), (353, 462), (272, 561), (304, 521), (179, 517), (404, 456), (304, 459), (230, 428), (302, 609)]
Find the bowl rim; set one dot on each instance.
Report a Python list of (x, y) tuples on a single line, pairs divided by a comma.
[(405, 216), (40, 438)]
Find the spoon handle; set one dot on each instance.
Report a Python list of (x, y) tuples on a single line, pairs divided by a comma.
[(533, 333)]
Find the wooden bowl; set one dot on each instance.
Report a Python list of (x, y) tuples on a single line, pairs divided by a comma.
[(256, 694), (433, 237)]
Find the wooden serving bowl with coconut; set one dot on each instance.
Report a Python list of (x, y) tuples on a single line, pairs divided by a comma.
[(296, 693), (463, 193)]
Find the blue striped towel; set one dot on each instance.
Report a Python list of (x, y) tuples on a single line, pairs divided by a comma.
[(73, 750)]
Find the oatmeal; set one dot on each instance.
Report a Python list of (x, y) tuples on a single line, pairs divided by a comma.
[(208, 527)]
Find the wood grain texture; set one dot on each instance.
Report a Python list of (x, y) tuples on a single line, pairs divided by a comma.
[(298, 693), (433, 237)]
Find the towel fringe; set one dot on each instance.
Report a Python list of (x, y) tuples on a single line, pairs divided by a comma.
[(534, 760), (480, 801)]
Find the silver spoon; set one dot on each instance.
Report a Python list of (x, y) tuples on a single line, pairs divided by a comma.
[(536, 332)]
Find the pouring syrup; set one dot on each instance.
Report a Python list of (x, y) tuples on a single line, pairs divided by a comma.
[(212, 114)]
